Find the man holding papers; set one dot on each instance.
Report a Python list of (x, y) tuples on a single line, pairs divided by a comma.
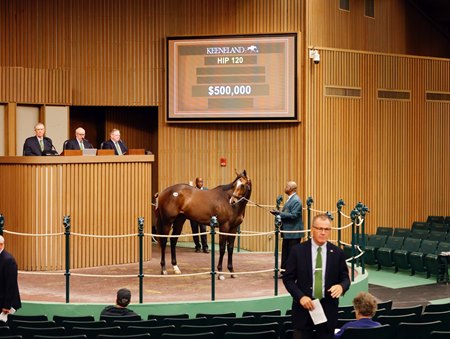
[(316, 276)]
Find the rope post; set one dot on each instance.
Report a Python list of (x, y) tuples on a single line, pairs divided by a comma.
[(276, 270), (141, 258), (309, 202), (364, 211), (66, 223), (2, 223), (339, 205), (353, 215), (239, 238), (213, 224)]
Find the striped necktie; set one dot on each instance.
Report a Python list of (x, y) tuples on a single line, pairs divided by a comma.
[(41, 144), (318, 275), (119, 150)]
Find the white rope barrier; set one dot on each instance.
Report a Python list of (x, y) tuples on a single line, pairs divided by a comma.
[(41, 273), (246, 272), (104, 236), (33, 235), (246, 235)]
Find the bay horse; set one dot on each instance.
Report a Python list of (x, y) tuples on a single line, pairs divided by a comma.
[(180, 202)]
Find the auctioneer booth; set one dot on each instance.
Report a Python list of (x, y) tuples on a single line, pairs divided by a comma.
[(104, 195)]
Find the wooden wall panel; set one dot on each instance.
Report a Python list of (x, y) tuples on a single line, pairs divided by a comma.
[(390, 154)]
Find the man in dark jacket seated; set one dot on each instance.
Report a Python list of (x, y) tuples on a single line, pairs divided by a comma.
[(120, 308)]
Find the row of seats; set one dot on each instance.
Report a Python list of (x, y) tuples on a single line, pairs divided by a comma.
[(419, 230), (405, 322), (272, 322), (414, 254)]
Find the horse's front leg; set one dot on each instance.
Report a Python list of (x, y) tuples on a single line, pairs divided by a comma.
[(222, 243), (230, 247), (162, 245)]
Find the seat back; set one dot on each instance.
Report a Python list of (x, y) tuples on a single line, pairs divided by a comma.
[(143, 323), (29, 332), (387, 305), (274, 318), (439, 227), (93, 332), (436, 316), (40, 336), (395, 320), (383, 331), (110, 318), (31, 323), (218, 329), (39, 317), (163, 316), (207, 335), (382, 230), (401, 232), (181, 321), (419, 234), (440, 335), (250, 328), (416, 330), (412, 244), (254, 335), (443, 247), (258, 314), (212, 315), (394, 243), (154, 331), (437, 236), (428, 246), (58, 319), (69, 324), (437, 308), (418, 225), (231, 320), (407, 310), (131, 336), (435, 219), (377, 241)]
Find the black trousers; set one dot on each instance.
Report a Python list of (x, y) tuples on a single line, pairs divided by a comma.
[(199, 228), (286, 249)]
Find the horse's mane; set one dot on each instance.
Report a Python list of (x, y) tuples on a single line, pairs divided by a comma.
[(229, 186)]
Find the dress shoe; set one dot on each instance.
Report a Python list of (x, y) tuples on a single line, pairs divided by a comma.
[(197, 250), (205, 250)]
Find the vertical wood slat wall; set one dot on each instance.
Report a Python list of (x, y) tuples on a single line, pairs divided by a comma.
[(390, 154), (113, 53)]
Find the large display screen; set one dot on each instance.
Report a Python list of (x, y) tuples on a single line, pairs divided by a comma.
[(232, 78)]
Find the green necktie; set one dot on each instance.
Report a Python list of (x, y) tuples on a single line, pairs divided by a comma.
[(41, 143), (81, 146), (119, 151), (318, 275)]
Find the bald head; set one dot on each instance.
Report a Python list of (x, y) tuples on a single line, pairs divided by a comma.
[(2, 240), (291, 187)]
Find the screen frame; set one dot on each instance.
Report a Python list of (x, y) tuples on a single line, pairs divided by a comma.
[(292, 95)]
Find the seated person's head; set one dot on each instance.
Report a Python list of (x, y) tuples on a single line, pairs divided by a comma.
[(365, 305), (123, 297)]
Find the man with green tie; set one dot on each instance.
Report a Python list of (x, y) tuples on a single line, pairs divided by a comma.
[(316, 270), (38, 144), (115, 143), (80, 142)]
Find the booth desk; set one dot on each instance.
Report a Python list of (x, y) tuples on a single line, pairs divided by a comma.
[(103, 196)]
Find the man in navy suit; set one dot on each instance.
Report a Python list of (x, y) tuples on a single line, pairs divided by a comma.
[(306, 278), (79, 143), (291, 219), (199, 228), (115, 143), (9, 289), (38, 144)]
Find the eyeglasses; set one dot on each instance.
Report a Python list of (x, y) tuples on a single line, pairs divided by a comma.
[(322, 229)]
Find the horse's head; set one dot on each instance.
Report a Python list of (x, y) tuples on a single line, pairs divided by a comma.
[(242, 188)]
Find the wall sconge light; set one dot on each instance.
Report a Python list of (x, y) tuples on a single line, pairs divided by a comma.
[(314, 55)]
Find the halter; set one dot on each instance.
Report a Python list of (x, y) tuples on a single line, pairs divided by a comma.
[(239, 198)]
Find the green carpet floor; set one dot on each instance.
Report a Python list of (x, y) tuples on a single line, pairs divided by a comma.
[(387, 278)]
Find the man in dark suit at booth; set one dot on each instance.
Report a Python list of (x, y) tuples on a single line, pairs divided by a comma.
[(316, 269), (79, 143), (115, 143), (39, 144), (9, 289)]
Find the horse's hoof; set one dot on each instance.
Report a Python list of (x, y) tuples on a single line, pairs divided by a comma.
[(234, 276), (164, 272), (221, 277), (176, 270)]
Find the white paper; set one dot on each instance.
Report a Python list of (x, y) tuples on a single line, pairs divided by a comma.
[(317, 314), (4, 316)]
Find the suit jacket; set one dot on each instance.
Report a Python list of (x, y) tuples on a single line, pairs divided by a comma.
[(32, 147), (298, 279), (110, 145), (291, 218), (9, 289), (73, 144)]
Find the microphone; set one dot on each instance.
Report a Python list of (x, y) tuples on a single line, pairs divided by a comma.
[(53, 151)]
